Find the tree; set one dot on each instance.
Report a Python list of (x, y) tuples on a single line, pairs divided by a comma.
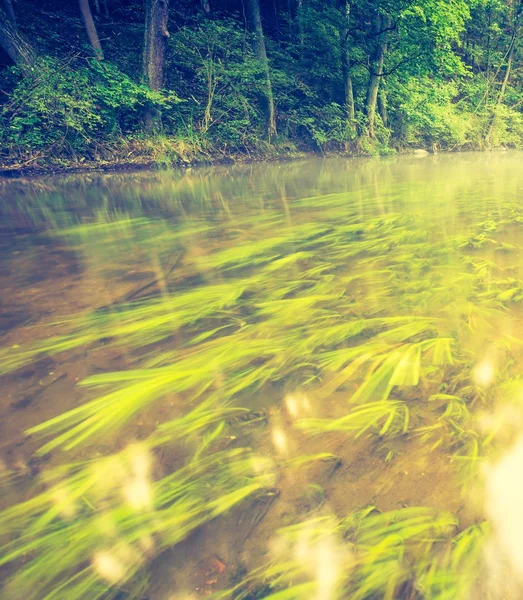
[(514, 26), (9, 11), (301, 33), (254, 25), (156, 34), (91, 29), (17, 48), (405, 41), (380, 27), (348, 93)]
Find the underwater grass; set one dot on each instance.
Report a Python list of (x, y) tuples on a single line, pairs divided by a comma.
[(409, 552), (287, 308), (97, 523), (386, 417), (377, 308)]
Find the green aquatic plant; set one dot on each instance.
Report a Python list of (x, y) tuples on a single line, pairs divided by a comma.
[(453, 573), (136, 324), (368, 554), (385, 417), (99, 522), (283, 309), (380, 308), (451, 425), (391, 548)]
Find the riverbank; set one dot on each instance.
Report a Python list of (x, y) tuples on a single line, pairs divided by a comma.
[(155, 159), (149, 156), (215, 100)]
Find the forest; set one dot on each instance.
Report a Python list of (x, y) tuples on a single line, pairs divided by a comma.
[(122, 81)]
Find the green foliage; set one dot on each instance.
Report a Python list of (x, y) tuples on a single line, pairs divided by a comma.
[(281, 308), (208, 66), (325, 126), (425, 115), (66, 110), (385, 417), (508, 127), (440, 94), (98, 522), (412, 551), (356, 293)]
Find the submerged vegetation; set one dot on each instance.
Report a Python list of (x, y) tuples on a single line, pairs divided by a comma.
[(406, 553), (97, 522), (120, 81), (265, 349)]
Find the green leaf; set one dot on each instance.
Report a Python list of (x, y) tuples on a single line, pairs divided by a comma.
[(376, 385), (442, 353), (408, 368)]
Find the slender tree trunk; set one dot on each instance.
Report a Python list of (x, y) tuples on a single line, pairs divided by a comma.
[(382, 105), (20, 51), (8, 7), (258, 45), (291, 21), (502, 91), (96, 6), (156, 34), (513, 18), (375, 74), (348, 93), (91, 29), (301, 34), (276, 20), (489, 36), (206, 5)]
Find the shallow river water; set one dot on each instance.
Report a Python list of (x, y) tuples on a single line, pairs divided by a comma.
[(292, 380)]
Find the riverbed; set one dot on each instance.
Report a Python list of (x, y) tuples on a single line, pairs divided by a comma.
[(294, 378)]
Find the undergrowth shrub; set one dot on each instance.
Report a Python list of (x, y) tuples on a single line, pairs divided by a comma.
[(211, 67), (428, 115), (65, 110), (507, 127)]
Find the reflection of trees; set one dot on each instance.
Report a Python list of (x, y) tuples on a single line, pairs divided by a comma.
[(230, 190)]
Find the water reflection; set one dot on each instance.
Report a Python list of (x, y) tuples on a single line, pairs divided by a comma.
[(316, 352)]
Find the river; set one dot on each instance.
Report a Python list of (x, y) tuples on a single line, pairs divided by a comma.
[(287, 380)]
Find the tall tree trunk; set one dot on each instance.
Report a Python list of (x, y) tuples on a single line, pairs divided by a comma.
[(20, 51), (8, 7), (291, 21), (382, 105), (513, 17), (301, 33), (276, 20), (489, 37), (375, 72), (258, 46), (348, 93), (156, 34), (91, 29), (502, 91)]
